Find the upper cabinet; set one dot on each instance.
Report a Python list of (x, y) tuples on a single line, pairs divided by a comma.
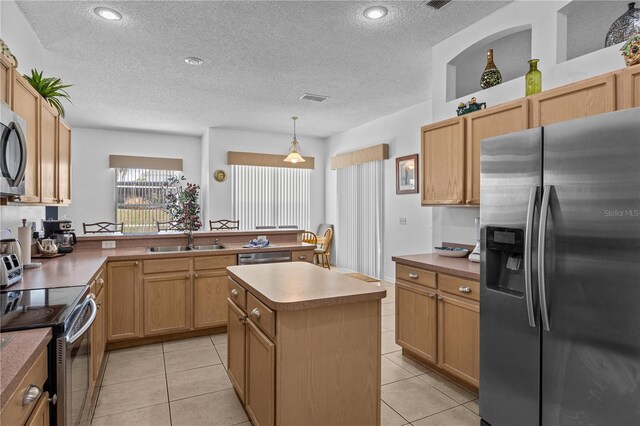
[(443, 160), (6, 74), (502, 119), (48, 174), (588, 97)]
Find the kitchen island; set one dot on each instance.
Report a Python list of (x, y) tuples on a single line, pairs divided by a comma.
[(304, 345)]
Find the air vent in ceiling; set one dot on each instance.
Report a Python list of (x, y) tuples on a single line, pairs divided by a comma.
[(436, 4), (312, 97)]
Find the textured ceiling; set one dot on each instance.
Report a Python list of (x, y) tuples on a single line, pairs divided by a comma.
[(260, 57)]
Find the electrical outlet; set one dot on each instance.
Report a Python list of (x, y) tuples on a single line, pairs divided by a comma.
[(262, 237), (108, 244), (403, 221)]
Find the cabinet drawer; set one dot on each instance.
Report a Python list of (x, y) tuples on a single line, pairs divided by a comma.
[(14, 413), (166, 265), (214, 262), (260, 314), (237, 294), (415, 275), (459, 286), (302, 256)]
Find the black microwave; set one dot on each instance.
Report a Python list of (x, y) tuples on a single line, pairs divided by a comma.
[(13, 153)]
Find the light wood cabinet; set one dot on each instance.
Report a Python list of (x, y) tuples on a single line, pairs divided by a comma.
[(236, 348), (124, 292), (48, 153), (6, 83), (500, 120), (14, 411), (588, 97), (459, 338), (26, 103), (416, 320), (260, 377), (63, 166), (629, 88), (443, 154), (210, 299), (40, 415), (167, 303)]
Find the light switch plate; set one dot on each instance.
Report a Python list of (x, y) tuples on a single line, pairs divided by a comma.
[(108, 244), (403, 221)]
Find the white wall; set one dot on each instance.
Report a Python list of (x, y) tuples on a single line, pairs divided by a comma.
[(402, 132), (16, 31), (220, 141), (93, 182)]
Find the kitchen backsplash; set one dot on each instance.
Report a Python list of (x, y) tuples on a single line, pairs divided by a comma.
[(455, 224), (11, 217)]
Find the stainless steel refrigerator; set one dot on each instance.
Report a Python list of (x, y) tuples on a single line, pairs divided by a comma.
[(560, 274)]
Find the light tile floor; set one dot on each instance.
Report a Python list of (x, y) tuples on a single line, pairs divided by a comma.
[(185, 382)]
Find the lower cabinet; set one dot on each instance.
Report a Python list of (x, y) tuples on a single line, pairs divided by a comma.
[(167, 303), (416, 320), (124, 297), (40, 414), (210, 299), (261, 364), (459, 338), (236, 348)]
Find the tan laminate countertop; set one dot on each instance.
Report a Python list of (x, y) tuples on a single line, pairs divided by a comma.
[(79, 267), (17, 357), (301, 285), (458, 266)]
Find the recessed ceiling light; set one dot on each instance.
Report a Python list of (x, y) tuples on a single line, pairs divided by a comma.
[(192, 60), (108, 14), (376, 12)]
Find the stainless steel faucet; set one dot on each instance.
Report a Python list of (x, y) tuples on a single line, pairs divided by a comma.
[(189, 238)]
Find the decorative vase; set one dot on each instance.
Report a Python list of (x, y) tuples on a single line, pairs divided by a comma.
[(631, 50), (624, 27), (533, 79), (491, 75)]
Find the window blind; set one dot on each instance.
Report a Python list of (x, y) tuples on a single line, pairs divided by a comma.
[(271, 196), (359, 226)]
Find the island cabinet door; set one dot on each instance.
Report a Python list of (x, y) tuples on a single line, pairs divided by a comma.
[(210, 299), (416, 320), (236, 335), (167, 303), (40, 415), (124, 301), (459, 338), (260, 391)]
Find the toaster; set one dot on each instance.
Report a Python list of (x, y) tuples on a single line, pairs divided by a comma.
[(10, 270)]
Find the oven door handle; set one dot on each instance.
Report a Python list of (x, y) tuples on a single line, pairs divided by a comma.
[(92, 316)]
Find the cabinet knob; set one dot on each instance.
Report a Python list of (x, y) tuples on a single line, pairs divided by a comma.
[(431, 295), (413, 275), (136, 262), (255, 313), (234, 293), (54, 399), (100, 281), (32, 394), (243, 319), (195, 275), (187, 276), (463, 289), (440, 298), (98, 305)]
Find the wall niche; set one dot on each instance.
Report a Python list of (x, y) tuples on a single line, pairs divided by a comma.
[(511, 50)]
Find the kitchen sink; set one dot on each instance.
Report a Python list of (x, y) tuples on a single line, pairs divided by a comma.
[(186, 248)]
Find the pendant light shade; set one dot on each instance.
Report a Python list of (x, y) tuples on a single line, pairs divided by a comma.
[(294, 152), (624, 27)]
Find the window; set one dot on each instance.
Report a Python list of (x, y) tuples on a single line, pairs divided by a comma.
[(271, 196), (140, 197)]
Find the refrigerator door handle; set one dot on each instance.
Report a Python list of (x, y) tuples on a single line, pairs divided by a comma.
[(528, 292), (544, 214)]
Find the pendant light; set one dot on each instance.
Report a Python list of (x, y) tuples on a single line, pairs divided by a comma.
[(294, 152)]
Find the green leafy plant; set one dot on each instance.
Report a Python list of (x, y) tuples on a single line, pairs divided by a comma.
[(50, 88)]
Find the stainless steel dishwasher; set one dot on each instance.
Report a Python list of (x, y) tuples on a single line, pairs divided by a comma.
[(264, 257)]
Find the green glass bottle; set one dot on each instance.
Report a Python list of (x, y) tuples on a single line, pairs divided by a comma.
[(533, 79)]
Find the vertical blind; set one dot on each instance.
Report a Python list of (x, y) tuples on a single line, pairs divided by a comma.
[(271, 196), (140, 198), (359, 227)]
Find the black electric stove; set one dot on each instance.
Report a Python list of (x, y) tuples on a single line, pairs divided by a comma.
[(50, 307)]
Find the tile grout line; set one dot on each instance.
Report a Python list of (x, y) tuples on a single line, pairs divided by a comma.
[(394, 410), (166, 381)]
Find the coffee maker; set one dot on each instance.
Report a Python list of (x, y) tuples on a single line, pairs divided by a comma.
[(62, 232)]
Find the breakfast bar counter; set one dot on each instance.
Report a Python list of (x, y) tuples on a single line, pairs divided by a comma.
[(304, 345)]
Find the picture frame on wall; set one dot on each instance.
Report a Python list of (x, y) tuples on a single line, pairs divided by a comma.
[(407, 170)]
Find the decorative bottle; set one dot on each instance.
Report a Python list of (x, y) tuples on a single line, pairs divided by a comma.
[(533, 79), (491, 75)]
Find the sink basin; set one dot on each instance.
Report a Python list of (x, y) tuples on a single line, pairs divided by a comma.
[(169, 248), (186, 248), (210, 247)]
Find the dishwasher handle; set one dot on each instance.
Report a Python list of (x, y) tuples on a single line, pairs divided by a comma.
[(250, 261)]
